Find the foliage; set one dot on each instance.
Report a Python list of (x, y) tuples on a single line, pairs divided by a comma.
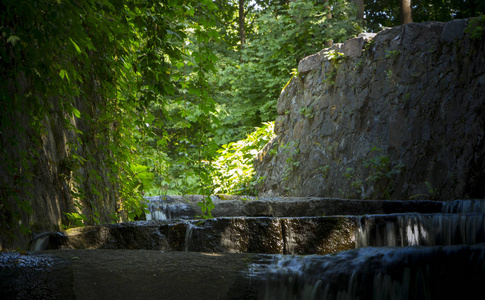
[(99, 64), (381, 176), (233, 168), (476, 27), (291, 151), (251, 81), (244, 88), (335, 58), (385, 13)]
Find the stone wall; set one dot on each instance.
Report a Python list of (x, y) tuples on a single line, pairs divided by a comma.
[(400, 115), (38, 154)]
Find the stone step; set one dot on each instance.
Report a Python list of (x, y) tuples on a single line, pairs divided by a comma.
[(125, 274), (299, 235), (452, 272), (185, 207)]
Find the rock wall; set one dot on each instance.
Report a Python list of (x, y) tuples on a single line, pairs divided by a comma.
[(399, 115), (40, 152)]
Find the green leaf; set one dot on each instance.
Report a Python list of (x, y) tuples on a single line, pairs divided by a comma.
[(13, 39), (136, 168), (63, 74), (75, 46), (76, 112)]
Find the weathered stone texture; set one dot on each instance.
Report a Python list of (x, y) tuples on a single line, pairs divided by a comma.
[(38, 165), (416, 91)]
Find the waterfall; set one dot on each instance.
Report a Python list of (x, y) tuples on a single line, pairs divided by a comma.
[(188, 235), (40, 242), (464, 206), (46, 241), (420, 230), (375, 256), (378, 273), (397, 256), (162, 209), (462, 222)]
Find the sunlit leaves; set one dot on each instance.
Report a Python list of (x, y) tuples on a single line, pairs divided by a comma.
[(233, 168)]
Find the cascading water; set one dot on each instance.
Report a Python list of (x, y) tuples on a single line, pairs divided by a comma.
[(161, 209), (453, 272), (462, 222), (464, 206), (188, 235), (397, 256), (421, 230)]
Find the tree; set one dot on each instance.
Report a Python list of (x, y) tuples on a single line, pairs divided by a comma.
[(242, 26), (405, 11), (360, 9), (328, 15), (387, 13), (93, 69)]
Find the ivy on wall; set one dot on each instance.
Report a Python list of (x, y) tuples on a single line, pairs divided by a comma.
[(81, 75)]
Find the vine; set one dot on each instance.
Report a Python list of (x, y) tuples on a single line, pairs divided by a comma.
[(66, 61)]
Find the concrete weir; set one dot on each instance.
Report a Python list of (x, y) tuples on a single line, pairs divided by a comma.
[(451, 272), (284, 226), (319, 249), (185, 207)]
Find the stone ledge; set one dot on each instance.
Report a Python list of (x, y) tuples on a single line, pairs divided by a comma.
[(350, 48)]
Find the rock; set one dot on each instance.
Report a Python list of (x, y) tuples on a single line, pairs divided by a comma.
[(291, 235), (401, 119), (353, 47), (135, 235), (258, 209), (310, 62), (453, 30), (288, 207)]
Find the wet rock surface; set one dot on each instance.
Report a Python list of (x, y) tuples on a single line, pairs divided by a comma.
[(34, 276), (127, 274), (371, 256), (301, 226), (185, 207), (455, 272), (451, 272)]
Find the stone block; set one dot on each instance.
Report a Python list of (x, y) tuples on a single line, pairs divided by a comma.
[(453, 30)]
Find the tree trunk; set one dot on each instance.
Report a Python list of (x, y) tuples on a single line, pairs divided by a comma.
[(406, 16), (360, 9), (242, 27), (327, 8)]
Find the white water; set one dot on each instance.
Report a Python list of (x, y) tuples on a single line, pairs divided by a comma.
[(464, 206), (188, 235), (161, 209), (40, 243), (406, 265), (462, 222), (452, 272), (421, 230)]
